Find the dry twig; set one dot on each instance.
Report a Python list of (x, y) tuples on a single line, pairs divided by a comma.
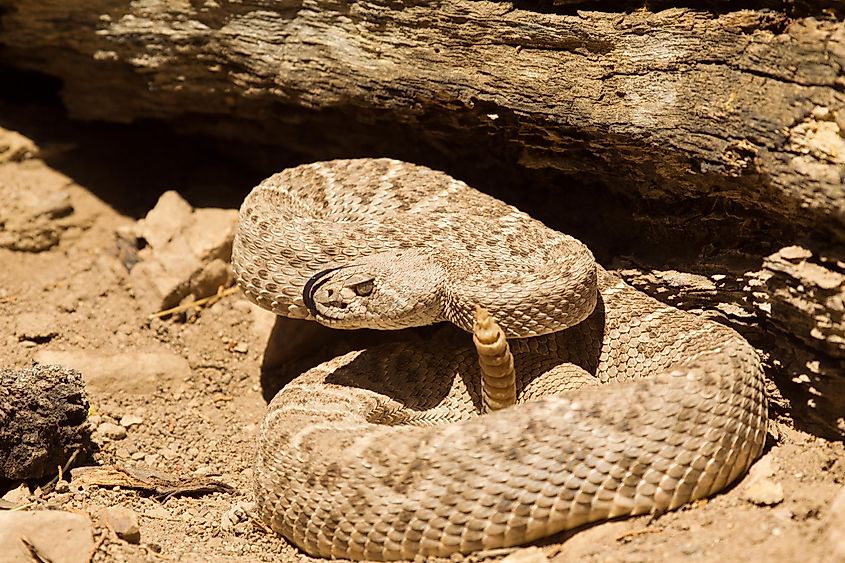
[(210, 300)]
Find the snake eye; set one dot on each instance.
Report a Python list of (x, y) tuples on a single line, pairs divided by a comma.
[(364, 288)]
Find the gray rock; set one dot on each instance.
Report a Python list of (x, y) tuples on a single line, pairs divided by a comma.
[(56, 536)]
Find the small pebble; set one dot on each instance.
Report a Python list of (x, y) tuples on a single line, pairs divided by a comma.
[(760, 486), (68, 304), (111, 431), (158, 511), (764, 492), (241, 348), (58, 500), (124, 522), (202, 471), (36, 327), (689, 548), (795, 253), (231, 520), (130, 420)]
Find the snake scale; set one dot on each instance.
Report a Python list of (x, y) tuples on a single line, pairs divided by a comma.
[(626, 406)]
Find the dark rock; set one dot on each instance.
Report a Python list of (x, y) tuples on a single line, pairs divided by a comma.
[(43, 420)]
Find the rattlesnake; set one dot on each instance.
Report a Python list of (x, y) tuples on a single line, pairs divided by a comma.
[(380, 454)]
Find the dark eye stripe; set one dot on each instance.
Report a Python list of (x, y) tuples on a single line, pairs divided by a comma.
[(312, 285)]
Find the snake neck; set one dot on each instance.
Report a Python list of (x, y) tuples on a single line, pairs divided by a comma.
[(526, 305)]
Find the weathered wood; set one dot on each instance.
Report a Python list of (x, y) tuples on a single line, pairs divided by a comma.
[(744, 106)]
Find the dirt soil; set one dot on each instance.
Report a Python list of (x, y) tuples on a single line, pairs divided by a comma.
[(201, 416)]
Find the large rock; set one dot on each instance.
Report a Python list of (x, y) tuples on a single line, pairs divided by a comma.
[(45, 535), (184, 251), (141, 373)]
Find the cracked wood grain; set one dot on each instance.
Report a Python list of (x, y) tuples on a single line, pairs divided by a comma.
[(726, 104)]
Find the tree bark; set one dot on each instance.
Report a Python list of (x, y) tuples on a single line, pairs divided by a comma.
[(707, 142), (745, 105)]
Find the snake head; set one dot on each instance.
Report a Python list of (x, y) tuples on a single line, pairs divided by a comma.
[(391, 290)]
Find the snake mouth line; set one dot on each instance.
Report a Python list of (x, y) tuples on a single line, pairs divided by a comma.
[(313, 285)]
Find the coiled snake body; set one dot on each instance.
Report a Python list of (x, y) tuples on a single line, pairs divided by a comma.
[(627, 406)]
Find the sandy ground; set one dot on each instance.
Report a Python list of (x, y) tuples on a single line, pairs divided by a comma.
[(201, 417)]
